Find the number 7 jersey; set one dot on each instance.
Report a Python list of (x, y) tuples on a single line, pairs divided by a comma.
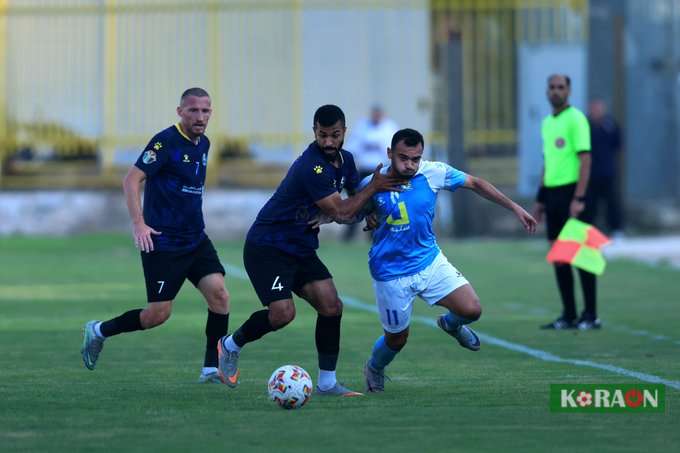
[(404, 242)]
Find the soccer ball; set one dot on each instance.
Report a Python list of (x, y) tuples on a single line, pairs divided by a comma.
[(290, 387)]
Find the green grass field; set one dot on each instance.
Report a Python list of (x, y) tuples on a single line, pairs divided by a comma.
[(143, 395)]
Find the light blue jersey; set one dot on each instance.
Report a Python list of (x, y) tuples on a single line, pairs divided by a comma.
[(404, 243)]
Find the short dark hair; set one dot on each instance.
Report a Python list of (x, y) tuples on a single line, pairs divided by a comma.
[(195, 91), (566, 78), (411, 137), (329, 114)]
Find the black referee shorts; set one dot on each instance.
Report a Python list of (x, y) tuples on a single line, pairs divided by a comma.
[(557, 202), (276, 275), (165, 272)]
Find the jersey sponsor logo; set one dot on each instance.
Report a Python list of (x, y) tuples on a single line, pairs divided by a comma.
[(318, 169), (186, 159), (149, 157), (399, 222), (157, 146), (560, 142), (193, 190)]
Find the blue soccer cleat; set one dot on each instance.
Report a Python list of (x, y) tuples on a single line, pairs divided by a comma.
[(227, 369), (337, 390), (466, 337), (92, 345)]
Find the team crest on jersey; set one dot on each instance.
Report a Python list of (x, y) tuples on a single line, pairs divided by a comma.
[(559, 142), (205, 160), (157, 146), (186, 159), (149, 157), (318, 169)]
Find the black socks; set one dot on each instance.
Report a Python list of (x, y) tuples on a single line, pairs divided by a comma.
[(215, 328), (253, 329), (327, 337), (127, 322)]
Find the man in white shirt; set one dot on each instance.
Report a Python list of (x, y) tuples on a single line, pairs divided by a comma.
[(368, 142)]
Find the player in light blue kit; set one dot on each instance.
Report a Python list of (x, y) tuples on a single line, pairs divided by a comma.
[(405, 260)]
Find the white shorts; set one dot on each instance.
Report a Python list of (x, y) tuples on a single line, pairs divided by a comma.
[(432, 284)]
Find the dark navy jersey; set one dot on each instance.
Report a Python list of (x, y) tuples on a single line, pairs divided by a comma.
[(175, 170), (283, 220)]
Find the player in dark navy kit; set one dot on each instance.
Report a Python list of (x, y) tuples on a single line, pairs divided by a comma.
[(280, 250), (170, 233)]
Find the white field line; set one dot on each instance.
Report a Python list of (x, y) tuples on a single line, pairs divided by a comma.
[(489, 339), (616, 326)]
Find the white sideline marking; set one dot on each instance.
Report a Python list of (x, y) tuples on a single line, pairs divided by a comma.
[(536, 353), (617, 327)]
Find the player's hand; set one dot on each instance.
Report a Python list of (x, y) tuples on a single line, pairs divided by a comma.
[(141, 232), (371, 222), (576, 208), (386, 183), (319, 220), (538, 212), (526, 219)]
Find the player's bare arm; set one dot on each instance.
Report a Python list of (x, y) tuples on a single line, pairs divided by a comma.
[(491, 193), (141, 232), (577, 204), (345, 210)]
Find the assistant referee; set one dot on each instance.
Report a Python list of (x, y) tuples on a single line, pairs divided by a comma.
[(561, 195)]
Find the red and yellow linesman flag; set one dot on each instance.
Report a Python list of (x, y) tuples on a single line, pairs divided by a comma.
[(579, 244)]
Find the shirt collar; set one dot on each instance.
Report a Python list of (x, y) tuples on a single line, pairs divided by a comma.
[(181, 132)]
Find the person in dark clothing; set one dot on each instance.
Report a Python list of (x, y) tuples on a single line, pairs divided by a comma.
[(605, 139)]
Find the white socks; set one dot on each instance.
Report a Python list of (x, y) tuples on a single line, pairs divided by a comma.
[(326, 379), (231, 345), (98, 330), (208, 370)]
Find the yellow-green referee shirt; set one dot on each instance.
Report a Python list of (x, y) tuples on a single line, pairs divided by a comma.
[(564, 136)]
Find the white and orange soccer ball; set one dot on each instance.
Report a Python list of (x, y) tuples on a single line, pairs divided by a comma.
[(290, 387)]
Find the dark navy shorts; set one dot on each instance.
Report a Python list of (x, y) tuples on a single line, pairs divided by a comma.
[(165, 272), (276, 275)]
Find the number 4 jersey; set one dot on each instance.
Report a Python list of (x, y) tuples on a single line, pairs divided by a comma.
[(404, 243)]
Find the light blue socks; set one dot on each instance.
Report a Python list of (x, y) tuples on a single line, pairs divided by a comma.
[(381, 355)]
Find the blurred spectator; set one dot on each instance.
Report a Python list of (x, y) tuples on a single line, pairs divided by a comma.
[(368, 142), (603, 186)]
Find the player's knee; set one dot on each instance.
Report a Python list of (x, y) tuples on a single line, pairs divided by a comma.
[(281, 315), (397, 341), (334, 308), (219, 300), (155, 316), (331, 306), (472, 309)]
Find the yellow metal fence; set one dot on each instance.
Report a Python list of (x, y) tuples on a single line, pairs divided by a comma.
[(79, 75)]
